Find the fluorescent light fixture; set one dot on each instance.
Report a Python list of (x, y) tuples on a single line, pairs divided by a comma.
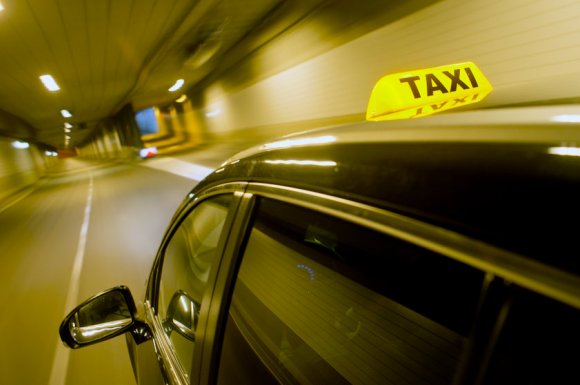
[(65, 114), (49, 83), (181, 99), (178, 84), (20, 145), (67, 125), (566, 118)]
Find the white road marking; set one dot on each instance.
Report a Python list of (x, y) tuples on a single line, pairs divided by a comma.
[(179, 167), (61, 357)]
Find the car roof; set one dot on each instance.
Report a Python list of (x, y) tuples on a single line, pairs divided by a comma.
[(509, 177)]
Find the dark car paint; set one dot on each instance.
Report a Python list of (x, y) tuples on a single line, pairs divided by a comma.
[(510, 195), (513, 195)]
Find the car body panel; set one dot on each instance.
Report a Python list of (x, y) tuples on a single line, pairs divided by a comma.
[(493, 193), (525, 184)]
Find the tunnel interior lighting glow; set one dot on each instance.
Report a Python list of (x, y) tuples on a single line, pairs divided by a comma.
[(49, 83), (178, 84), (67, 125), (20, 145), (566, 118), (1, 7), (213, 113), (181, 99), (65, 114)]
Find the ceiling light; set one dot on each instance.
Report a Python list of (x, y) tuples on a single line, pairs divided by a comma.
[(67, 125), (65, 113), (1, 7), (49, 83), (20, 145), (181, 99), (178, 84)]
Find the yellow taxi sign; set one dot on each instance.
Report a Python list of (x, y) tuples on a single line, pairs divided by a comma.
[(424, 92)]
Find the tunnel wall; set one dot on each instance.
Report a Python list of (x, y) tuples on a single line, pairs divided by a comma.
[(19, 168), (528, 50), (180, 129), (116, 138)]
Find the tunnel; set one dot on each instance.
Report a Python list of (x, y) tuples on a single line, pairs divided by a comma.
[(146, 98)]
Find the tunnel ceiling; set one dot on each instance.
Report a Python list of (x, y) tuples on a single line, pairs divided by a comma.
[(105, 54)]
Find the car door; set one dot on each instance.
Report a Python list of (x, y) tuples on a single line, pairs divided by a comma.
[(315, 294), (180, 287), (324, 290)]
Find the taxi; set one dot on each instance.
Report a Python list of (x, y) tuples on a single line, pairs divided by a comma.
[(420, 251)]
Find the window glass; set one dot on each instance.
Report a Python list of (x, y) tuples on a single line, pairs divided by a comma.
[(539, 345), (320, 300), (187, 261)]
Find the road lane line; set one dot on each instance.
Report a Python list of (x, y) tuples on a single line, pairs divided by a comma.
[(61, 357)]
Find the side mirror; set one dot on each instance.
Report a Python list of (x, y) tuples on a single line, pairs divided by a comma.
[(104, 316), (182, 315)]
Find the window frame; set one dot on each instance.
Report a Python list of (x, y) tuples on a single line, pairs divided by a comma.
[(170, 365)]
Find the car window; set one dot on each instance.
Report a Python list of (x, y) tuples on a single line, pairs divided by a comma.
[(539, 344), (321, 300), (187, 261)]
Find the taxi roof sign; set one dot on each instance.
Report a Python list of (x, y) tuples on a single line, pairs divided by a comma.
[(424, 92)]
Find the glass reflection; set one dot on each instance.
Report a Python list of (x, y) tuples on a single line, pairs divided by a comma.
[(566, 151), (102, 317), (323, 163), (300, 142)]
